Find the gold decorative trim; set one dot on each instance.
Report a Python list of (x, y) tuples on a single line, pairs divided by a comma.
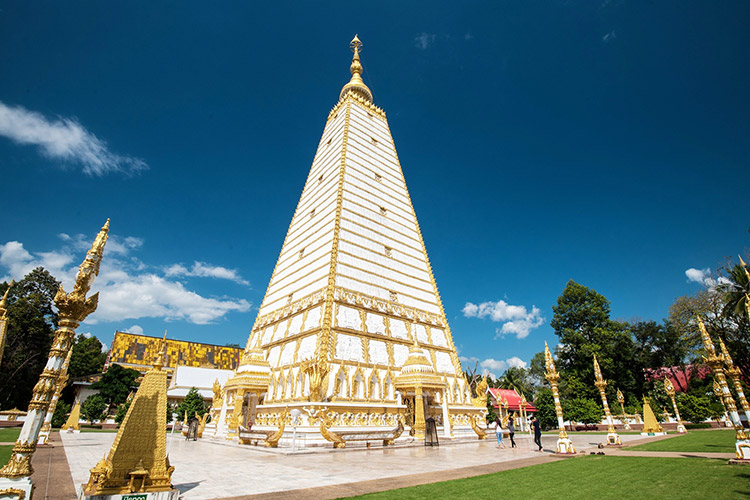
[(20, 494)]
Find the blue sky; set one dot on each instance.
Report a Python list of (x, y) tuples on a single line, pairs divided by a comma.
[(541, 141)]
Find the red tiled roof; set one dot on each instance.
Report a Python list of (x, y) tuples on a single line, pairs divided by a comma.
[(679, 376), (513, 398)]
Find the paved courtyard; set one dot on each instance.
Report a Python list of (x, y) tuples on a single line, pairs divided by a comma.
[(205, 469)]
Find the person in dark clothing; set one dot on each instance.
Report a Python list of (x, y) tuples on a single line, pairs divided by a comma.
[(512, 430), (537, 433)]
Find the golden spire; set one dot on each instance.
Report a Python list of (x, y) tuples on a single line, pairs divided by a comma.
[(356, 84), (727, 357), (707, 343), (597, 370), (744, 268), (75, 304), (161, 355), (5, 295), (549, 362)]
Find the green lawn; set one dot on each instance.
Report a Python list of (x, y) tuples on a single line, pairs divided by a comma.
[(5, 454), (721, 441), (9, 434), (599, 477)]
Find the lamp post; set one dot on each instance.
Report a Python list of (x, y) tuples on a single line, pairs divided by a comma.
[(73, 307), (613, 439), (621, 400), (564, 444), (715, 361), (670, 392), (4, 319)]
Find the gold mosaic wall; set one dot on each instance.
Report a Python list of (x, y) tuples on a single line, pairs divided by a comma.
[(139, 352)]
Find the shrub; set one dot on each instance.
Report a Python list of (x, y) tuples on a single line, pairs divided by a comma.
[(60, 415), (94, 408)]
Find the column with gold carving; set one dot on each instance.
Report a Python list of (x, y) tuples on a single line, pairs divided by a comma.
[(73, 308), (613, 439), (621, 400), (716, 361), (62, 380), (4, 319), (670, 392), (720, 394), (734, 373), (564, 444)]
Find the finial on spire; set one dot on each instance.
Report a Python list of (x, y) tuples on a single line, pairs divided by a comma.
[(744, 268), (161, 355), (356, 85), (5, 295), (597, 370)]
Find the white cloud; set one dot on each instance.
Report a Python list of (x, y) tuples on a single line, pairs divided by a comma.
[(493, 367), (698, 275), (203, 270), (128, 288), (424, 40), (64, 139), (609, 36), (517, 320), (134, 329)]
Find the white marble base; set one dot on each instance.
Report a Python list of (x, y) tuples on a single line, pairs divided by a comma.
[(172, 494), (565, 446), (15, 489), (742, 447), (681, 429)]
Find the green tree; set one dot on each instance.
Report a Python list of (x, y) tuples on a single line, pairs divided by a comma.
[(122, 410), (192, 404), (537, 369), (94, 408), (583, 410), (659, 346), (545, 405), (61, 414), (31, 326), (87, 357), (517, 378), (581, 320), (116, 384), (693, 408)]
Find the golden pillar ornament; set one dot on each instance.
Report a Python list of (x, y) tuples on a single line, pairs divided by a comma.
[(62, 380), (72, 308), (734, 374), (670, 392), (564, 444), (719, 394), (524, 417), (716, 361), (4, 319), (621, 400), (613, 439)]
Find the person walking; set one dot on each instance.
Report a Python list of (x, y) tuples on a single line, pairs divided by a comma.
[(499, 432), (511, 430), (537, 433)]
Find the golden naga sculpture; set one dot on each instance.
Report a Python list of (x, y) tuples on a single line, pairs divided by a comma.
[(564, 444), (480, 393), (317, 371), (218, 395), (613, 439), (73, 308), (716, 362), (735, 374)]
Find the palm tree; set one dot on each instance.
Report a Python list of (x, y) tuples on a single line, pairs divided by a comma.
[(735, 289)]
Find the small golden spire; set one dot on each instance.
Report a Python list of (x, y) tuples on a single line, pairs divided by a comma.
[(707, 343), (356, 84), (597, 370), (5, 295), (161, 355), (725, 353), (744, 268), (549, 361)]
